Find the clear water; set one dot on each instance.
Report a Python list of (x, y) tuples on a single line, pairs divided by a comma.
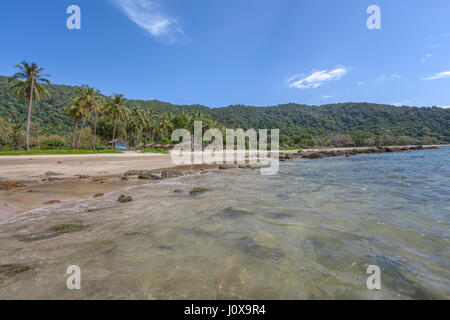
[(309, 232)]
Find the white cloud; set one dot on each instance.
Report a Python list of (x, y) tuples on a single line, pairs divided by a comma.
[(440, 75), (146, 15), (399, 104), (361, 83), (428, 56), (385, 77), (444, 107), (316, 79), (327, 97)]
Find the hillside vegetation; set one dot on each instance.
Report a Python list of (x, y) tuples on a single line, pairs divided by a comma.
[(344, 124)]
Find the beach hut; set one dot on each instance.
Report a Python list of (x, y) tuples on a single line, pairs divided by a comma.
[(119, 145)]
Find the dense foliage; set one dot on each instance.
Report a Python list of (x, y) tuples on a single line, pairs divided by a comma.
[(345, 124)]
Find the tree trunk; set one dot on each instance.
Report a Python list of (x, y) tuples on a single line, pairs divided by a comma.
[(115, 127), (81, 132), (74, 134), (30, 105), (95, 130), (136, 138)]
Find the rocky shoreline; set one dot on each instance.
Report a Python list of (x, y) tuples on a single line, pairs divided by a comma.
[(319, 154)]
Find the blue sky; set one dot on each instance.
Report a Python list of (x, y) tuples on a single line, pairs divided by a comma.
[(217, 53)]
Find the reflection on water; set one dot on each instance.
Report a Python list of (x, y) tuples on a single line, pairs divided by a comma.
[(309, 232)]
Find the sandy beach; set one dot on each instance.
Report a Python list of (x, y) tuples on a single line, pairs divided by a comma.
[(41, 181)]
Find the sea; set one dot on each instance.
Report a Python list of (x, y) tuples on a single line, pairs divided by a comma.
[(313, 231)]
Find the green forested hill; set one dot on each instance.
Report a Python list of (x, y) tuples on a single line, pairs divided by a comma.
[(297, 122)]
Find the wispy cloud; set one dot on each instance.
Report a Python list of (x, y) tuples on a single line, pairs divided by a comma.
[(146, 14), (361, 83), (428, 56), (386, 77), (440, 75), (316, 79), (444, 107)]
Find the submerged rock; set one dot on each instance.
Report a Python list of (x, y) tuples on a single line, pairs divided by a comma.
[(53, 232), (234, 213), (97, 195), (199, 190), (10, 270), (179, 191), (258, 250), (123, 198)]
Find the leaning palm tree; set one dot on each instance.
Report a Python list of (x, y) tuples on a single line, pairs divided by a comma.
[(116, 110), (28, 84)]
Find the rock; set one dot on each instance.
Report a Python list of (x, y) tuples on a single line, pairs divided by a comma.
[(5, 186), (10, 270), (97, 195), (51, 174), (234, 213), (227, 166), (124, 178), (179, 191), (199, 190), (52, 202), (136, 172), (53, 232), (167, 174), (247, 166), (81, 176), (123, 198), (149, 176), (312, 155)]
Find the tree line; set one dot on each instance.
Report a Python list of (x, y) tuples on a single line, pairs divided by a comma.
[(37, 114)]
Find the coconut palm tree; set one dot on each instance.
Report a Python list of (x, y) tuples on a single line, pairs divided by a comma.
[(75, 113), (88, 101), (116, 110), (28, 84), (149, 116), (136, 123), (164, 125)]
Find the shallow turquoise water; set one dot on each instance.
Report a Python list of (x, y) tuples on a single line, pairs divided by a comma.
[(309, 232)]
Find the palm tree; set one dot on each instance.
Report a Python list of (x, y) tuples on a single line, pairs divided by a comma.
[(149, 117), (88, 101), (28, 84), (165, 125), (75, 113), (136, 123), (116, 110)]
